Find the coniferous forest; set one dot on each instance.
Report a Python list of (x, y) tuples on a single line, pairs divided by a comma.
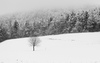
[(52, 22)]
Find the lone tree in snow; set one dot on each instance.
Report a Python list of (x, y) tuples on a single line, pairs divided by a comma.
[(34, 41)]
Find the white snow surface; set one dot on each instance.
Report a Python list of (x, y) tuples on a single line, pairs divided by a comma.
[(63, 48)]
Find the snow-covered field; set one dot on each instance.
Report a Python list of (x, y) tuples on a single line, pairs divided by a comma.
[(64, 48)]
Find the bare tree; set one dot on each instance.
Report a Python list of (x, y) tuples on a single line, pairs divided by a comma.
[(34, 41)]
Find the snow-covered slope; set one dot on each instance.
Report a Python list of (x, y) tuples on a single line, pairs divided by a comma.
[(21, 44), (64, 48)]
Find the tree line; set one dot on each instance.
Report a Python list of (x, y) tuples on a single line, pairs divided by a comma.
[(73, 22)]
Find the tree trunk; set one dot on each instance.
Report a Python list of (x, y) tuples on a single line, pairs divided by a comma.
[(33, 48)]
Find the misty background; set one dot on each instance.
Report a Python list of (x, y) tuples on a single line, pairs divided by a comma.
[(12, 6)]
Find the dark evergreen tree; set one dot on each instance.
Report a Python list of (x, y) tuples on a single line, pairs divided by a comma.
[(14, 30), (3, 33), (27, 29)]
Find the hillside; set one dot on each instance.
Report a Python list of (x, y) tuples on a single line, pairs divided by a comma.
[(63, 48)]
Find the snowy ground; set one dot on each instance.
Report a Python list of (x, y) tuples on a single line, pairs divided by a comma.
[(64, 48)]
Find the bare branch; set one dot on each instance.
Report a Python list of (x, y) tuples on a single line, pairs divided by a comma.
[(34, 41)]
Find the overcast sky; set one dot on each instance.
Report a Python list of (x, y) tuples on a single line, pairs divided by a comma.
[(9, 6)]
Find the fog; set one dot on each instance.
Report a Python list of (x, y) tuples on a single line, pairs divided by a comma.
[(10, 6)]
